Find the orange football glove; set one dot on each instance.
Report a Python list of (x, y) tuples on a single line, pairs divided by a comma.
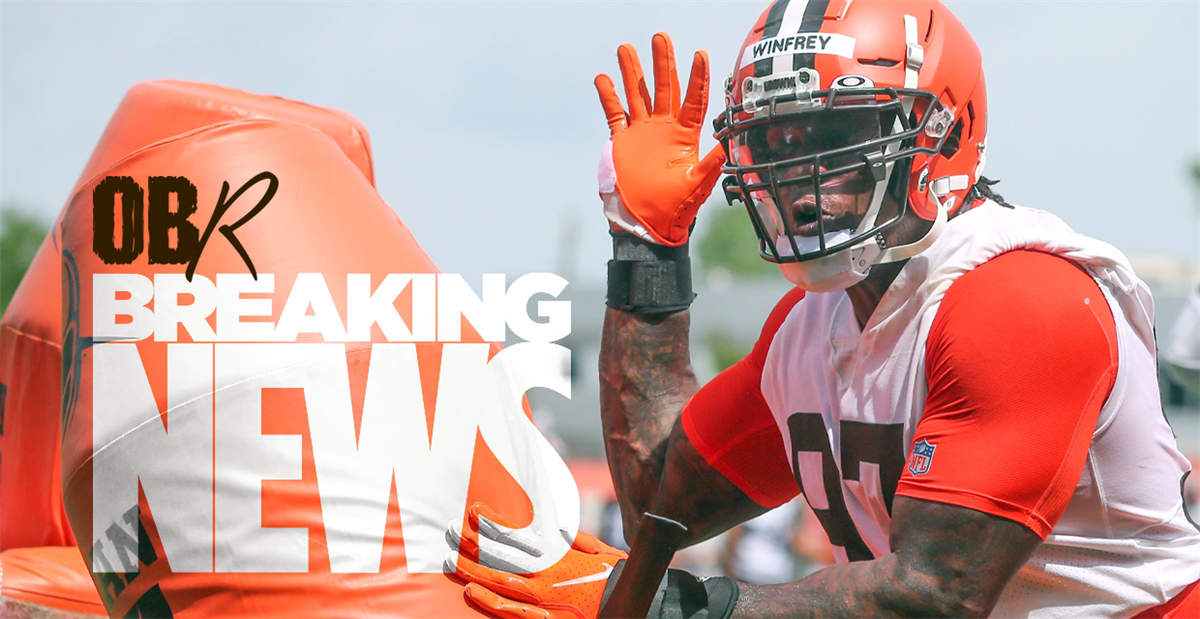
[(651, 178), (570, 589)]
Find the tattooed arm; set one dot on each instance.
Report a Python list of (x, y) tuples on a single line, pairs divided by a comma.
[(645, 379), (947, 561)]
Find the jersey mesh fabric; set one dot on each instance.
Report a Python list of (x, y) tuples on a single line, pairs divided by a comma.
[(1020, 359), (730, 424), (1182, 606)]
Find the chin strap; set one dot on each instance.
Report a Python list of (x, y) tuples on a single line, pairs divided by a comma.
[(881, 184), (869, 253), (904, 252)]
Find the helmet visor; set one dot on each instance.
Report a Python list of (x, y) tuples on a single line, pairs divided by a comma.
[(813, 167), (808, 175)]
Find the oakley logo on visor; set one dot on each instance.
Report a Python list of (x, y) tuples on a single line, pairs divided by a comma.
[(853, 81)]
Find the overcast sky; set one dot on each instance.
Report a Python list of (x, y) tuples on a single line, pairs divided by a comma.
[(486, 128)]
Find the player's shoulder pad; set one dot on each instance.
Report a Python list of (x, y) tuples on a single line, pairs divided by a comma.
[(1021, 297)]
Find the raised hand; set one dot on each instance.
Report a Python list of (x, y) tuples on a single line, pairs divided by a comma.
[(652, 179)]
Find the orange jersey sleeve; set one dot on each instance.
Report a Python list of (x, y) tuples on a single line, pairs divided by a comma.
[(730, 424), (1020, 358)]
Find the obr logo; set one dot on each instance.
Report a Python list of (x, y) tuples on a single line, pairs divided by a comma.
[(189, 243)]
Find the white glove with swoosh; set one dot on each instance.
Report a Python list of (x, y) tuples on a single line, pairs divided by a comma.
[(499, 584)]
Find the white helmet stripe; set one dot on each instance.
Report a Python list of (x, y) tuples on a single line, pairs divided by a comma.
[(793, 16)]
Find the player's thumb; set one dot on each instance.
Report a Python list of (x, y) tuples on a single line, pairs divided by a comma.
[(709, 168)]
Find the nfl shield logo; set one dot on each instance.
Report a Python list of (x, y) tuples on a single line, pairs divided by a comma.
[(921, 458)]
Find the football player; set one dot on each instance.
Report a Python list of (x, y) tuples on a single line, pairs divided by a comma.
[(964, 390)]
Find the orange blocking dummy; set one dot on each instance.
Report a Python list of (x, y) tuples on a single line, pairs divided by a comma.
[(50, 582), (327, 508), (31, 333), (281, 431)]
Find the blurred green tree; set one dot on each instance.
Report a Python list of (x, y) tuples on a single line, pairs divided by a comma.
[(729, 243), (728, 251), (20, 236), (725, 349)]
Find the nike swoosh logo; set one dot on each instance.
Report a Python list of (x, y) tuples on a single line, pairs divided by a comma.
[(590, 578)]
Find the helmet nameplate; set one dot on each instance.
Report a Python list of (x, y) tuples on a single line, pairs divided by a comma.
[(799, 43)]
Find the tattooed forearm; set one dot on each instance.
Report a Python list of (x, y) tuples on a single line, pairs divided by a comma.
[(847, 590), (947, 561), (645, 379), (694, 493)]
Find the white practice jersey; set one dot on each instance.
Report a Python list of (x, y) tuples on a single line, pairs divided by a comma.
[(850, 400)]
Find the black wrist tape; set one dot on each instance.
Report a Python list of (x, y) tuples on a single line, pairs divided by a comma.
[(648, 278), (684, 596)]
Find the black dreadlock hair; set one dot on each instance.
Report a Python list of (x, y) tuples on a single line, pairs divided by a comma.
[(983, 189)]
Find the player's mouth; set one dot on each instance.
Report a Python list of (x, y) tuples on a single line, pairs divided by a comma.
[(804, 214)]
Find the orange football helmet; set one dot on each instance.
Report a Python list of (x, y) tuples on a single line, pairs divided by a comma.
[(834, 94)]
